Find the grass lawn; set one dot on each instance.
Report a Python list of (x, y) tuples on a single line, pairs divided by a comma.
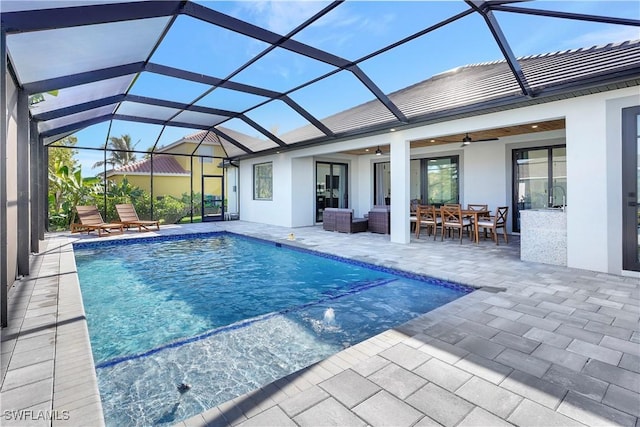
[(187, 219)]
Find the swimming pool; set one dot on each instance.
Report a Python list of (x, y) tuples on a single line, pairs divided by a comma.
[(226, 314)]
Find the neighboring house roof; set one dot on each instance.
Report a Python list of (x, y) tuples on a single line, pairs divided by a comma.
[(485, 87), (162, 165), (211, 138), (195, 138)]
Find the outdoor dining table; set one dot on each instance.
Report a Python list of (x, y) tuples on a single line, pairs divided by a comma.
[(475, 214)]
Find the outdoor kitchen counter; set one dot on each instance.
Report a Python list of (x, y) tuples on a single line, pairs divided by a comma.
[(543, 236)]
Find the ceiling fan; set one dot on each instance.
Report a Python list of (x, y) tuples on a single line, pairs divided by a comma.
[(468, 140)]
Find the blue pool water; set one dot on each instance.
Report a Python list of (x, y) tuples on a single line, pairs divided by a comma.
[(226, 314)]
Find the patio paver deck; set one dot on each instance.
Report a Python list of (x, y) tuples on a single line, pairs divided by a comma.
[(536, 345)]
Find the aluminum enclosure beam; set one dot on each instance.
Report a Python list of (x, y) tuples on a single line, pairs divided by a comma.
[(4, 281), (482, 8), (22, 185), (64, 17), (35, 190)]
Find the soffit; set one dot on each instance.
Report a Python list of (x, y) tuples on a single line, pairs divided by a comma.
[(477, 136)]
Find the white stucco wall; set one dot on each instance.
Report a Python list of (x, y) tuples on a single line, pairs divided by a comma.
[(592, 137), (303, 191), (586, 186), (278, 210)]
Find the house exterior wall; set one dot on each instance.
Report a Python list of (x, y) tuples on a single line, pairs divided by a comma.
[(176, 185), (302, 199), (208, 168), (278, 210), (592, 137)]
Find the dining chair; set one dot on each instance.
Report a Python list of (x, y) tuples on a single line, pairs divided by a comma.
[(495, 222), (452, 219), (413, 206), (427, 216), (477, 207)]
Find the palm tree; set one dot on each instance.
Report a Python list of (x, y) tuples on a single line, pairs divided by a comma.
[(121, 151)]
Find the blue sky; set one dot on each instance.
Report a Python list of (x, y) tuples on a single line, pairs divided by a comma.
[(352, 30)]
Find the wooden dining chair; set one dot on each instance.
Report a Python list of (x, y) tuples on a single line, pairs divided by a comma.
[(413, 206), (452, 219), (496, 222), (477, 207), (427, 217)]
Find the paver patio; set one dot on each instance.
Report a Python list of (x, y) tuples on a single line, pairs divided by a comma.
[(535, 345)]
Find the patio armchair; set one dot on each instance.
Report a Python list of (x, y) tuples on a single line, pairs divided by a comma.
[(380, 219), (342, 220), (90, 219)]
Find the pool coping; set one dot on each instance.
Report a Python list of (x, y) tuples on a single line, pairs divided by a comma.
[(72, 357)]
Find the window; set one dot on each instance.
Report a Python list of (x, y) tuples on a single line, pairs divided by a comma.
[(206, 150), (442, 180), (263, 181)]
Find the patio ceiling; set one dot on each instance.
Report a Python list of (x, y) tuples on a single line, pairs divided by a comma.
[(477, 136), (85, 63)]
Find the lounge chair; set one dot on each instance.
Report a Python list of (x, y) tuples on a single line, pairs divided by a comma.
[(129, 218), (90, 219)]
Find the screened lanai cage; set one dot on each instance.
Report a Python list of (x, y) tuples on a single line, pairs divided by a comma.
[(187, 180)]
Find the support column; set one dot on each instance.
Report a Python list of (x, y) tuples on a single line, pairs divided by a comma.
[(400, 198), (43, 176), (23, 183), (3, 179), (34, 181)]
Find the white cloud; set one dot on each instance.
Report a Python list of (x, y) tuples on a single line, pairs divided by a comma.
[(282, 16), (605, 36)]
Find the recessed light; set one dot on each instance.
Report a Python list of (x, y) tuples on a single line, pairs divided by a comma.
[(366, 149), (433, 140), (392, 129), (534, 126)]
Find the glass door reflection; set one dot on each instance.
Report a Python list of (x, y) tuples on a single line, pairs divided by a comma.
[(332, 187), (540, 180)]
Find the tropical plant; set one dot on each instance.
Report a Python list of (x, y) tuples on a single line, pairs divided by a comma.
[(37, 98), (60, 152), (66, 190), (116, 193), (120, 151)]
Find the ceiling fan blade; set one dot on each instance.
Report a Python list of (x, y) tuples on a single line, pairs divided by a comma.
[(467, 140)]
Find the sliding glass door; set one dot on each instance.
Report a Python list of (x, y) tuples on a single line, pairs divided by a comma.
[(540, 179), (433, 181), (332, 187), (631, 188)]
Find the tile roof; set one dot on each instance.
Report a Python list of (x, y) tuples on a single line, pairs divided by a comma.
[(161, 165), (197, 137), (479, 87)]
